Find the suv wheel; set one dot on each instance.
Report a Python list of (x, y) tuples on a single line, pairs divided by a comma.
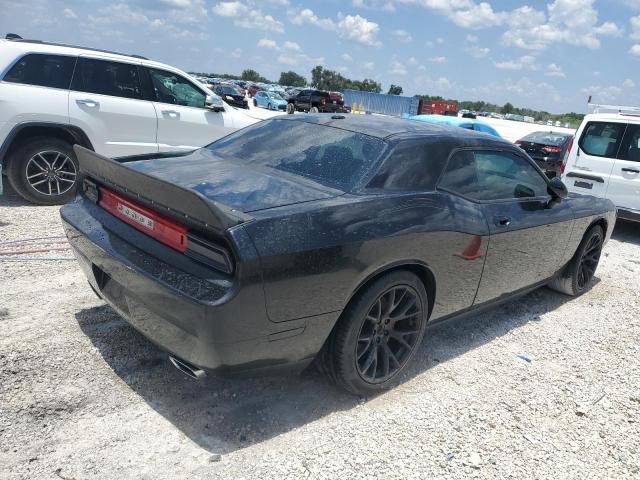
[(377, 335), (44, 171), (290, 108), (314, 110)]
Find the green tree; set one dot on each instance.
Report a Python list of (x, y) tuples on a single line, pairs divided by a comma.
[(395, 90), (252, 76), (323, 79), (292, 79), (507, 108)]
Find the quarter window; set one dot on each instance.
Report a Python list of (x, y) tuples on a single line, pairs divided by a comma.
[(44, 70), (171, 88), (602, 139), (107, 78), (485, 176), (630, 148), (407, 168)]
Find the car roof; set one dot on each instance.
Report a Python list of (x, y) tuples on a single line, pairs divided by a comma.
[(612, 117), (385, 127)]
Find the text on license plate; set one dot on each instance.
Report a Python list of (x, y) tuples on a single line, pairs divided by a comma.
[(136, 216)]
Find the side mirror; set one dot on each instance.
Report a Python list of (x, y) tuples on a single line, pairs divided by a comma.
[(557, 189), (215, 103)]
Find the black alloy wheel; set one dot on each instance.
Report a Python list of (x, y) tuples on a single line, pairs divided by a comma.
[(388, 334), (589, 260)]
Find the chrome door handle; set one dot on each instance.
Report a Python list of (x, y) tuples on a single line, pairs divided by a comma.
[(171, 113), (88, 103)]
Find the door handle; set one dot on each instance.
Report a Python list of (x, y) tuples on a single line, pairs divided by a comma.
[(500, 221), (171, 113), (87, 102), (630, 170)]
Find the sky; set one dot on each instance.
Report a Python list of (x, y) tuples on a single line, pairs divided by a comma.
[(547, 55)]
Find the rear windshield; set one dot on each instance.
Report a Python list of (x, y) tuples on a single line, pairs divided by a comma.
[(329, 156), (547, 138)]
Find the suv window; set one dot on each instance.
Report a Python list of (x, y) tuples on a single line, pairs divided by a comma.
[(484, 175), (107, 78), (171, 88), (602, 139), (630, 148), (44, 70), (407, 168)]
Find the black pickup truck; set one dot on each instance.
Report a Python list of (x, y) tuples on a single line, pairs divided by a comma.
[(314, 101)]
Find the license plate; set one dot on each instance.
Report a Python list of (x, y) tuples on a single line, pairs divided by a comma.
[(136, 216)]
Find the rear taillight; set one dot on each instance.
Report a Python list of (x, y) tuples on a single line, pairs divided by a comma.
[(566, 155), (166, 231), (323, 101), (552, 149)]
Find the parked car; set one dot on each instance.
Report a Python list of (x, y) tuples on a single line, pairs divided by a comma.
[(547, 149), (54, 96), (462, 122), (314, 101), (232, 95), (338, 237), (252, 89), (270, 101), (604, 161)]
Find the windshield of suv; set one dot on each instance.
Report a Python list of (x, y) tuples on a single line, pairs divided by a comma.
[(229, 90), (329, 156)]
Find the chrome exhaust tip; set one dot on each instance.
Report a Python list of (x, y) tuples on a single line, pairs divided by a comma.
[(188, 369)]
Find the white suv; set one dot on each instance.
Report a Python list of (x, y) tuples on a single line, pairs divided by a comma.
[(54, 96), (604, 159)]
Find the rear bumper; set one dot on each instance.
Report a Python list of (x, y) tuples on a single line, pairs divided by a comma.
[(629, 214), (200, 316)]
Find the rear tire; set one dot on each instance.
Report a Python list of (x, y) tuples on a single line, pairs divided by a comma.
[(576, 277), (291, 108), (314, 110), (44, 171), (377, 334)]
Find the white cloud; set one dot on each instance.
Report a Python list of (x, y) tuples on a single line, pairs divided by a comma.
[(256, 20), (398, 69), (439, 40), (413, 61), (628, 83), (574, 22), (464, 13), (635, 28), (68, 13), (237, 53), (389, 7), (635, 50), (350, 27), (346, 57), (526, 62), (438, 59), (554, 70), (357, 3), (266, 43), (287, 60), (402, 35), (472, 38), (600, 93), (230, 9), (422, 68), (368, 65), (293, 46), (443, 83), (478, 52)]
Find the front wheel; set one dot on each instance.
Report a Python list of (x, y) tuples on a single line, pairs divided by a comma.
[(377, 334), (43, 171), (291, 108), (578, 274)]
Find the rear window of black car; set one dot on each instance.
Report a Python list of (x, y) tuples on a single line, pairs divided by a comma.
[(547, 138), (329, 156)]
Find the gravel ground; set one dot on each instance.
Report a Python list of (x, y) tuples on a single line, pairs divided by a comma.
[(543, 387)]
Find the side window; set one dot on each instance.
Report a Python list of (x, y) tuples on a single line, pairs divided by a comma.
[(44, 70), (484, 175), (172, 88), (602, 139), (630, 148), (407, 168), (107, 78)]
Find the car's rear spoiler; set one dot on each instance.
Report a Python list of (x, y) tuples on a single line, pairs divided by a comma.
[(163, 196)]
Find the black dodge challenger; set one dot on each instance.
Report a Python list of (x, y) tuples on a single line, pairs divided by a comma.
[(333, 237)]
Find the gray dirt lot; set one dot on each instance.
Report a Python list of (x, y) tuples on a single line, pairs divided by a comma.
[(544, 387)]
